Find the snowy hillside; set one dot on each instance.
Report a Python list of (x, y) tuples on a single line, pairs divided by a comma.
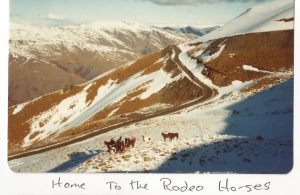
[(127, 93), (101, 37), (270, 16), (215, 137)]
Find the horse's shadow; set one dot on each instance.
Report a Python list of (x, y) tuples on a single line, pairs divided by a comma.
[(76, 158)]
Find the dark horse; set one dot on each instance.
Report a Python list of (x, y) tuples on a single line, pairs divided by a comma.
[(120, 146), (130, 142), (169, 135), (110, 145)]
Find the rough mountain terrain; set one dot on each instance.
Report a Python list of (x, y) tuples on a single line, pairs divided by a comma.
[(228, 95)]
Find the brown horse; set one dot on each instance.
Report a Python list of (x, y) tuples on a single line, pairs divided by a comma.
[(169, 135), (110, 144), (130, 142), (120, 146)]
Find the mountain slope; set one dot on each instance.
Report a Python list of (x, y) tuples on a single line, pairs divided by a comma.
[(160, 81), (241, 57), (214, 137), (150, 85), (270, 16), (76, 53)]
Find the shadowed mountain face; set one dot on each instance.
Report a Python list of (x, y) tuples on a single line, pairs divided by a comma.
[(244, 155), (271, 152), (44, 59)]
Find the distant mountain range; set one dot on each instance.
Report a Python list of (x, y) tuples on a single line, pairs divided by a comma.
[(43, 59), (198, 31)]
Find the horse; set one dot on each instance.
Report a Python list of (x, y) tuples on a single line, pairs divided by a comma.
[(169, 135), (165, 135), (110, 144), (147, 139), (130, 142), (120, 146)]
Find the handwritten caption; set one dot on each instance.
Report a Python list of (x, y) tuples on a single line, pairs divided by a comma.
[(166, 184)]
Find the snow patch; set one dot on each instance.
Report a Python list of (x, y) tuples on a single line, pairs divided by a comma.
[(251, 68), (207, 58), (157, 106), (19, 107), (161, 79), (56, 118)]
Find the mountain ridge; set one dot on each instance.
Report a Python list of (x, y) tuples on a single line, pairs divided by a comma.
[(75, 53), (192, 30)]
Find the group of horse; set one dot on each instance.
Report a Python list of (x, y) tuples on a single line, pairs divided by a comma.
[(120, 145)]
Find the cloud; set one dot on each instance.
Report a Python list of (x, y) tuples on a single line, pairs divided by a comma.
[(194, 2), (52, 19), (52, 16)]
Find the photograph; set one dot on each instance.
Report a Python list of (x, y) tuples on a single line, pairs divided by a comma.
[(151, 86)]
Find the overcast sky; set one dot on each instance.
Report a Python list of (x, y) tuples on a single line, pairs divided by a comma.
[(150, 12)]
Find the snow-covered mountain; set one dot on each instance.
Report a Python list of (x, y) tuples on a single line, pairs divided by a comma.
[(47, 58), (198, 31), (270, 16), (229, 98)]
